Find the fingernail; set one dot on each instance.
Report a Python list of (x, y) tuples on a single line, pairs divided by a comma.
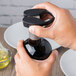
[(56, 53), (31, 29)]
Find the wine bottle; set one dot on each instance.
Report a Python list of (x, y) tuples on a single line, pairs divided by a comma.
[(36, 47)]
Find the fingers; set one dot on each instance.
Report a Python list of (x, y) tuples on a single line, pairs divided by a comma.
[(48, 6), (48, 63), (52, 57), (22, 52), (17, 58), (39, 31), (17, 70), (17, 61)]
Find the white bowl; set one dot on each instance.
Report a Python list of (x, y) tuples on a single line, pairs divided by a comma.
[(68, 63), (17, 32)]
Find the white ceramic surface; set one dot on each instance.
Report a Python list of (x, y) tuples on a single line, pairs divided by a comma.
[(68, 63), (17, 32)]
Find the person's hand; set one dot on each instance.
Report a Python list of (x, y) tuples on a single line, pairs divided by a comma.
[(25, 66), (62, 30)]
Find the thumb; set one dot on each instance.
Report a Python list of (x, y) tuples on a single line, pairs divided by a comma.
[(39, 31), (22, 52)]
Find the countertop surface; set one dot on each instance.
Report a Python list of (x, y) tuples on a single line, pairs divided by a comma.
[(10, 70)]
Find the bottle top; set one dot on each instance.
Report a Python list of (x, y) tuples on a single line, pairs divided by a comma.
[(33, 17)]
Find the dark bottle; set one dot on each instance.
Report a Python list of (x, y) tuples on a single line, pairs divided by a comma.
[(37, 48)]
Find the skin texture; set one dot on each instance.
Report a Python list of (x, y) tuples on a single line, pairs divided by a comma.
[(62, 30), (25, 66)]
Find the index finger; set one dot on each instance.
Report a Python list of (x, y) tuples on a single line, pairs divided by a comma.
[(48, 6), (22, 52)]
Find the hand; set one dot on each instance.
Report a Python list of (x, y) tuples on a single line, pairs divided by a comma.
[(25, 66), (62, 30)]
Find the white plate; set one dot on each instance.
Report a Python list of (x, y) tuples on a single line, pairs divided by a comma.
[(68, 63), (17, 32)]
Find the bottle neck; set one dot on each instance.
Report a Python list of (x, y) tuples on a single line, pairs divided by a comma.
[(34, 40), (33, 37)]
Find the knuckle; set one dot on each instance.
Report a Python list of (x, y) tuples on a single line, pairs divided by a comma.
[(64, 11), (45, 65), (61, 12), (19, 46), (20, 42), (53, 60), (46, 2)]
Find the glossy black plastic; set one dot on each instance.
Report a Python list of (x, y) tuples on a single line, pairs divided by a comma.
[(38, 49), (30, 17)]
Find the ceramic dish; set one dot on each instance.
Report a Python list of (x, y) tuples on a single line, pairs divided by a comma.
[(68, 63), (17, 32)]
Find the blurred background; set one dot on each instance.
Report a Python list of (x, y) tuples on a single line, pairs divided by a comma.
[(11, 11)]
